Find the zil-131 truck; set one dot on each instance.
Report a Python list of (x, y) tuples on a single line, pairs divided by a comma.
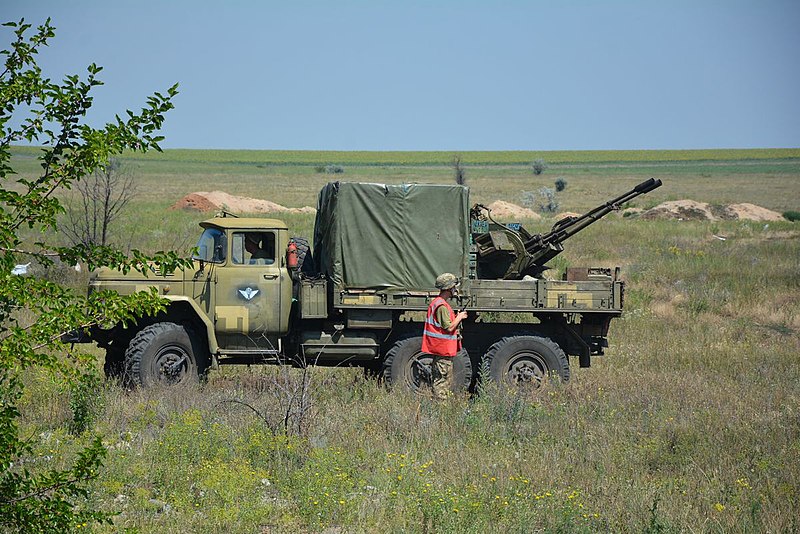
[(255, 295)]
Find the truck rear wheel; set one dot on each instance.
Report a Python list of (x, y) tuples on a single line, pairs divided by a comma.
[(163, 353), (526, 361), (407, 366)]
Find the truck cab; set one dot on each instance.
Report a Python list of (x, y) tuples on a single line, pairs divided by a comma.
[(242, 282)]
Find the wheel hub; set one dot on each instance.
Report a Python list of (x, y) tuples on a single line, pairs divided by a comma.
[(527, 369), (171, 364)]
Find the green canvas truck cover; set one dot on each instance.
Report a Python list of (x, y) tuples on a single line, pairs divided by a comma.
[(377, 236)]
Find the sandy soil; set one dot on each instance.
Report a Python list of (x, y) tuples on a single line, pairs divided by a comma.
[(505, 210), (754, 213), (217, 200), (684, 210), (690, 210)]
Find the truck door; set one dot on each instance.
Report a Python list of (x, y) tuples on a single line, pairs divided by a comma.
[(249, 297)]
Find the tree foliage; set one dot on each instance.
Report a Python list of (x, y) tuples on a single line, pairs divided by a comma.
[(539, 166), (35, 313)]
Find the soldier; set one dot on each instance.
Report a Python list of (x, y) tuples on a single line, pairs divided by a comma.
[(257, 254), (440, 337)]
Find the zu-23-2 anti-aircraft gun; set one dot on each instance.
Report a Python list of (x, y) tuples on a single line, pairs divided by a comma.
[(510, 253)]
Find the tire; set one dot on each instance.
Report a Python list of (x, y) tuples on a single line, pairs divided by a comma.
[(526, 361), (164, 353), (305, 262), (407, 366)]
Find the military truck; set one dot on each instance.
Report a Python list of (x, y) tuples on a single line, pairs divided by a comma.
[(256, 295)]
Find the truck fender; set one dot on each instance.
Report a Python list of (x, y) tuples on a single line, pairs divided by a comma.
[(213, 346)]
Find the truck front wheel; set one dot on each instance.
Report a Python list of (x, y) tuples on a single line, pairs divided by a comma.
[(163, 353), (407, 366), (526, 361)]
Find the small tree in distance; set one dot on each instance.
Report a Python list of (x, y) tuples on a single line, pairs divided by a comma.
[(459, 170), (538, 166), (102, 197)]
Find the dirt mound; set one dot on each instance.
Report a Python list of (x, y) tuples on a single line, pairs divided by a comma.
[(754, 213), (689, 210), (504, 210), (195, 202), (682, 210), (217, 200)]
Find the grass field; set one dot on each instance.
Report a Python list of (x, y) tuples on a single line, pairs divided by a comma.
[(690, 423), (511, 157)]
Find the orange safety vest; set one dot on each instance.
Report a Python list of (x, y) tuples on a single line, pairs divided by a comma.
[(435, 338)]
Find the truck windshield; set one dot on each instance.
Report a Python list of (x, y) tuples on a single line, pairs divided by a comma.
[(211, 246)]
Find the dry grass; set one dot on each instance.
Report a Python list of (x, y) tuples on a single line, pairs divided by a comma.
[(690, 423)]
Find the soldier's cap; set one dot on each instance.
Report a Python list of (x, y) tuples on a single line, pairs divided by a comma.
[(446, 281)]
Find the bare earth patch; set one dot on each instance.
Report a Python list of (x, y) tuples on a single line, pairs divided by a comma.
[(754, 213), (217, 200), (690, 210), (684, 210), (503, 209)]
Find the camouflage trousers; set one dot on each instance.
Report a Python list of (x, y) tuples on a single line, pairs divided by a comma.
[(442, 376)]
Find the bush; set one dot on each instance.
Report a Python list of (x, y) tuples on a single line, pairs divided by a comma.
[(561, 184), (544, 200), (547, 200), (528, 199), (85, 402), (791, 215), (539, 166), (329, 169)]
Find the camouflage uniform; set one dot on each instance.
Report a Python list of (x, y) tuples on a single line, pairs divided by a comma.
[(442, 366)]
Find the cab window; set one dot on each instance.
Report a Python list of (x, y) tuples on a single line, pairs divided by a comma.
[(253, 248), (211, 246)]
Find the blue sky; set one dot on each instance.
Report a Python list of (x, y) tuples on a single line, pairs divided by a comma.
[(449, 75)]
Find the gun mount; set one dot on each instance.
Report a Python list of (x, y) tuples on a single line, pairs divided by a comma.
[(511, 253)]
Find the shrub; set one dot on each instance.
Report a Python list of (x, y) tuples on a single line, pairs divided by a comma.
[(85, 402), (547, 200), (528, 199), (539, 166), (791, 215), (329, 169), (561, 184)]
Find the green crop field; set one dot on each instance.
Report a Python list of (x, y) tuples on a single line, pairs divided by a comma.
[(689, 423), (509, 157)]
